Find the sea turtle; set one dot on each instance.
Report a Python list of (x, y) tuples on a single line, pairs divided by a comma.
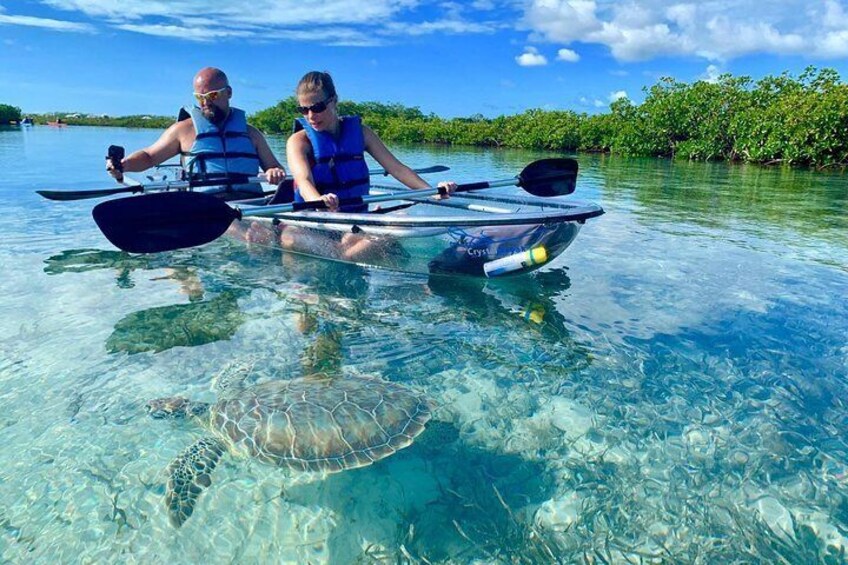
[(315, 423)]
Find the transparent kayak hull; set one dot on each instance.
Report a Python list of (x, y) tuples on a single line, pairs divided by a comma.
[(429, 238)]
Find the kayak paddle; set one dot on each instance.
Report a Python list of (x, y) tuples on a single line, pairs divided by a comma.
[(564, 171), (423, 171), (65, 195), (179, 185), (175, 220)]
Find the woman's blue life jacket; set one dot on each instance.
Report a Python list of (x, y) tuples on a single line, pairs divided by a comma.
[(339, 165), (221, 152)]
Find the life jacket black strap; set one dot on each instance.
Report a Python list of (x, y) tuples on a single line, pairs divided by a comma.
[(212, 179), (340, 157), (219, 155), (227, 134)]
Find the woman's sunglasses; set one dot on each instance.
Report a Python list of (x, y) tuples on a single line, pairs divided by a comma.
[(209, 96), (315, 108)]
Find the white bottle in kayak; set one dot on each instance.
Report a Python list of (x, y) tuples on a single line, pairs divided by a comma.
[(523, 260)]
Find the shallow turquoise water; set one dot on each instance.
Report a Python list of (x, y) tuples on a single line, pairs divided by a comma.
[(671, 388)]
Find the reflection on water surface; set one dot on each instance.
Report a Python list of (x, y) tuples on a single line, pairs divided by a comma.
[(669, 390)]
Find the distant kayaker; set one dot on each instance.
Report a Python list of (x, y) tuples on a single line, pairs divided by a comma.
[(214, 140), (326, 151)]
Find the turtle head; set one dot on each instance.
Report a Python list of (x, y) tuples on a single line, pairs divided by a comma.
[(175, 407)]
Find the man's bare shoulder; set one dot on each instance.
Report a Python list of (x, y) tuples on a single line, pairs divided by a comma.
[(183, 127), (182, 132)]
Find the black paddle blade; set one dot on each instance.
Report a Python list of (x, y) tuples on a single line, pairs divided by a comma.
[(86, 194), (549, 177), (163, 221)]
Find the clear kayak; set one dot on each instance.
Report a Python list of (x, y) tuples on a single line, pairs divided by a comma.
[(469, 234)]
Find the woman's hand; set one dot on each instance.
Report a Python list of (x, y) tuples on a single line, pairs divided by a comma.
[(331, 201), (449, 187), (275, 175)]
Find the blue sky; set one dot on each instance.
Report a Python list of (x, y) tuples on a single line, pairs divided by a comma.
[(452, 58)]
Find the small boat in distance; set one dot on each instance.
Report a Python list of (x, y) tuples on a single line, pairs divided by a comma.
[(58, 123), (27, 121)]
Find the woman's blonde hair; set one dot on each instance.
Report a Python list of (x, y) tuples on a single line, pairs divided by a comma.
[(316, 81)]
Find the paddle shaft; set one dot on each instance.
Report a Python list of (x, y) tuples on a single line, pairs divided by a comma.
[(262, 211), (545, 177), (371, 172), (409, 195), (176, 220), (421, 171), (65, 195), (177, 185)]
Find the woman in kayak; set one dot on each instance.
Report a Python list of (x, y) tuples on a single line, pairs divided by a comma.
[(326, 152), (326, 155)]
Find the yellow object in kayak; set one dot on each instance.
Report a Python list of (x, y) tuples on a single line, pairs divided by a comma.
[(523, 260)]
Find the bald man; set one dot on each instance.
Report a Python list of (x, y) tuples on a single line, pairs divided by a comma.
[(214, 141)]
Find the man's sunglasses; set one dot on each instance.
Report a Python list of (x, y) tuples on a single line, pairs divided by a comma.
[(315, 108), (210, 96)]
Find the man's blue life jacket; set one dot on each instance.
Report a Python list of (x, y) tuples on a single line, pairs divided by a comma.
[(221, 152)]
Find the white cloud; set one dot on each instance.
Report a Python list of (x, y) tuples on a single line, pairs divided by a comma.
[(683, 15), (717, 30), (454, 26), (711, 74), (834, 44), (740, 38), (334, 22), (47, 23), (632, 30), (563, 21), (600, 104), (265, 13), (483, 5), (834, 16), (567, 55), (617, 95), (531, 58), (190, 33)]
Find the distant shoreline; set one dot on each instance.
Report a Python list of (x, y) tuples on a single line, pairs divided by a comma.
[(781, 120)]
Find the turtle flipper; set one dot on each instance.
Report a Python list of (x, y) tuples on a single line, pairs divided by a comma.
[(188, 475)]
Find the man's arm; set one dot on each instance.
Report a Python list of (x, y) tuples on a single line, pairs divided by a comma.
[(167, 146)]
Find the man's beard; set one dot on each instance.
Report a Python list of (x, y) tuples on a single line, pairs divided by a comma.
[(214, 114)]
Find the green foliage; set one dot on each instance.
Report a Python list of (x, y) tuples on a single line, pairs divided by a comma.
[(802, 121), (9, 114), (596, 133), (778, 119), (71, 119), (280, 118), (276, 119), (782, 119)]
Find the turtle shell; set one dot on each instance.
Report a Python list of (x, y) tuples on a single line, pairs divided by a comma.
[(319, 423)]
